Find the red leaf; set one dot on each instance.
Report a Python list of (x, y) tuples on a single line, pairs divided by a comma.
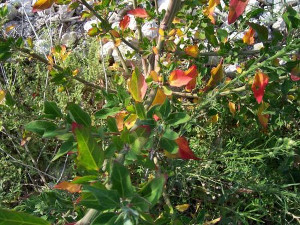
[(193, 73), (295, 73), (138, 12), (74, 126), (236, 8), (178, 78), (124, 22), (184, 151), (259, 84)]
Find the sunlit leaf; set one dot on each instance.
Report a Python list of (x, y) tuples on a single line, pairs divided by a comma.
[(160, 97), (137, 86), (209, 10), (138, 12), (178, 78), (217, 75), (182, 208), (263, 118), (236, 8), (42, 5), (192, 50), (232, 109), (154, 76), (68, 186), (191, 72), (259, 84), (130, 121), (248, 37), (114, 33), (2, 96), (124, 22)]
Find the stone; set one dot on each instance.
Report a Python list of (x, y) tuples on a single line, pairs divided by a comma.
[(42, 46), (258, 46), (150, 30), (68, 39), (279, 24), (163, 5)]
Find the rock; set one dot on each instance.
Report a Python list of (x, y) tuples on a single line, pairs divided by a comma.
[(258, 46), (88, 24), (163, 5), (12, 11), (64, 13), (69, 38), (150, 30), (42, 46), (279, 24), (132, 24), (230, 70)]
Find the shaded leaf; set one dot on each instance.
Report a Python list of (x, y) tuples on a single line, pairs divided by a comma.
[(153, 189), (78, 115), (182, 208), (263, 118), (168, 145), (261, 31), (51, 108), (105, 112), (217, 75), (124, 22), (40, 126), (9, 217), (120, 180), (64, 149), (177, 118), (184, 151)]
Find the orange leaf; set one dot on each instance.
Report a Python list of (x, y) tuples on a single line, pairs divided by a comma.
[(236, 8), (259, 84), (120, 119), (191, 85), (192, 72), (184, 151), (154, 76), (263, 118), (42, 5), (160, 97), (114, 33), (138, 12), (192, 50), (209, 10), (117, 42), (68, 186), (217, 75), (124, 22), (178, 78), (249, 36), (232, 109), (155, 50)]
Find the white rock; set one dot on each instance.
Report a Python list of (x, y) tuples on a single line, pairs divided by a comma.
[(163, 5), (132, 24), (12, 11), (88, 24), (69, 38), (42, 46), (64, 13), (150, 30), (279, 24), (230, 69), (258, 46), (236, 36)]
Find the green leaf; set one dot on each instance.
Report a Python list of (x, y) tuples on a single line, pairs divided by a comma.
[(141, 203), (90, 154), (291, 18), (222, 35), (52, 110), (108, 199), (140, 110), (78, 115), (138, 138), (261, 31), (168, 145), (105, 112), (8, 217), (94, 31), (104, 218), (85, 179), (170, 134), (165, 109), (64, 149), (112, 124), (40, 126), (153, 189), (120, 180), (9, 99), (177, 118), (137, 85)]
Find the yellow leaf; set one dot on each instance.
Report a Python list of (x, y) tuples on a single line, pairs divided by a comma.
[(155, 50), (130, 121), (68, 186), (217, 75), (154, 76), (182, 208), (179, 32), (239, 69), (209, 10), (120, 119), (232, 109), (176, 20), (192, 50), (263, 118), (213, 221), (42, 5), (117, 42), (161, 32), (9, 28), (249, 36), (160, 97), (75, 72), (2, 96), (172, 32), (214, 119)]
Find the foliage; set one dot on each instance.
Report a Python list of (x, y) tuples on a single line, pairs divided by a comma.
[(172, 140)]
